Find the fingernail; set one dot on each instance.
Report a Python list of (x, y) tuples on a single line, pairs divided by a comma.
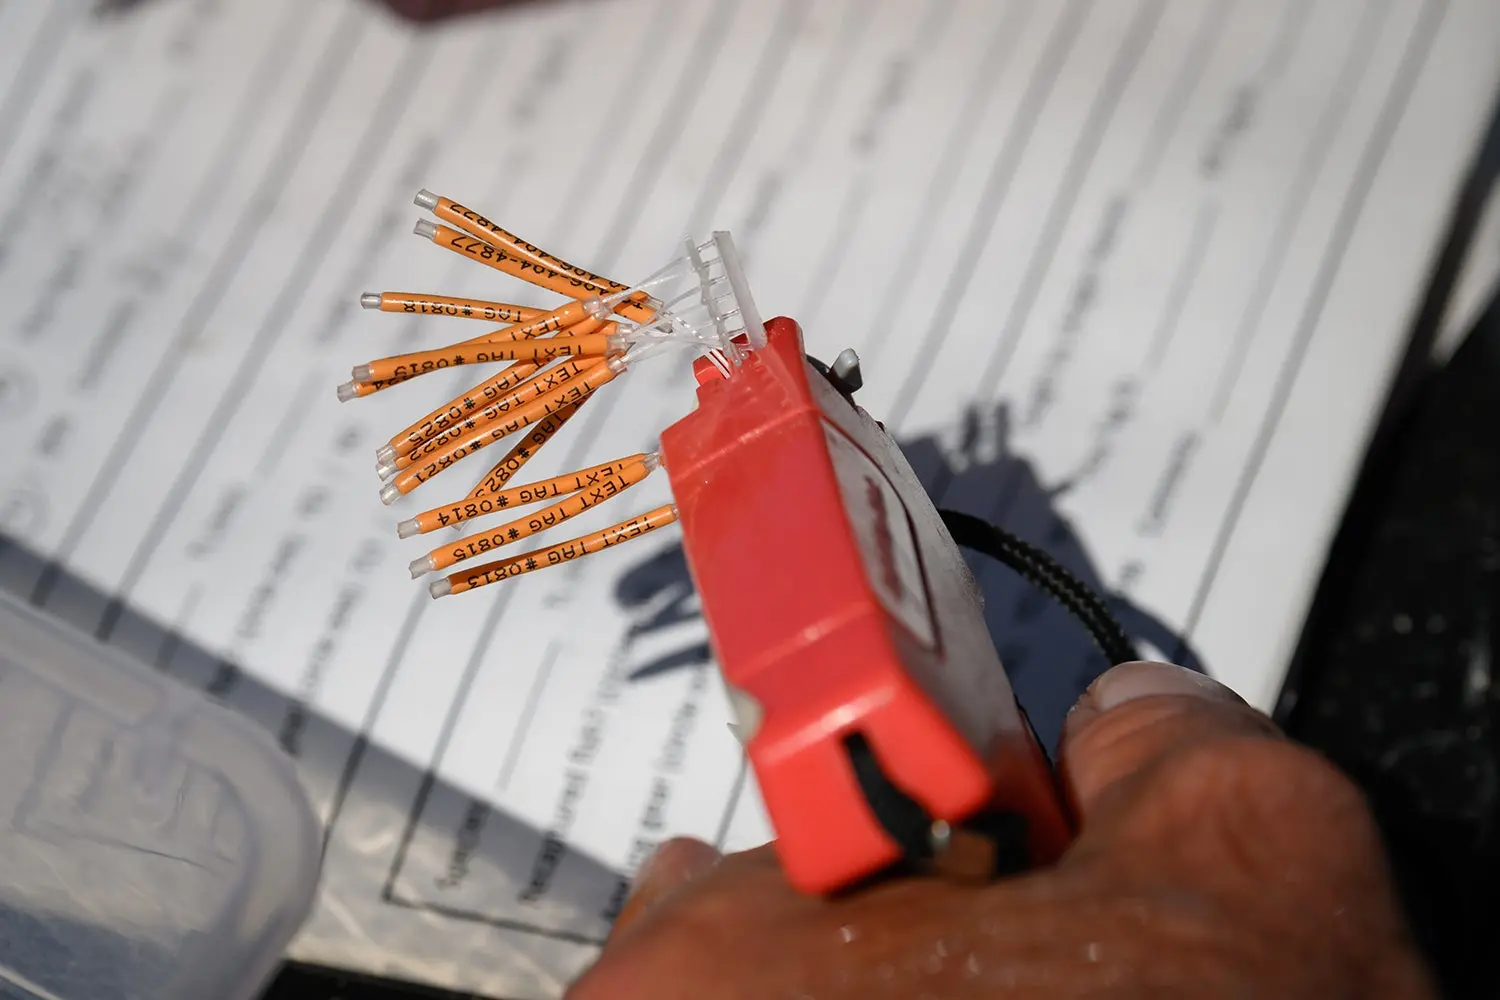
[(650, 863), (667, 869), (1134, 681), (643, 870), (676, 858)]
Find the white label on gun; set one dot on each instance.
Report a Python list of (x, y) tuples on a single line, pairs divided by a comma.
[(883, 531)]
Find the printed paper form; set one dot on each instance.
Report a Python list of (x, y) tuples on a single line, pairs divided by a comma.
[(1162, 254)]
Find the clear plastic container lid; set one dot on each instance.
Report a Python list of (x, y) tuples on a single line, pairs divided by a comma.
[(152, 844)]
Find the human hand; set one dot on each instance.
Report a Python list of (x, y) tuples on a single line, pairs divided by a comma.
[(1215, 859)]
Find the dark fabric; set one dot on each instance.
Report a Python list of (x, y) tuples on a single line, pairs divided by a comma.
[(1395, 676)]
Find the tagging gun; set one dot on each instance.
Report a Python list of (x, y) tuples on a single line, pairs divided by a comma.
[(875, 713), (851, 635)]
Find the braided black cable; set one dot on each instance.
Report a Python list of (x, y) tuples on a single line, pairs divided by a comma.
[(1047, 573)]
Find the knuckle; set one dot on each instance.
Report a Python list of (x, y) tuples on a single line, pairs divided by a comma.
[(1275, 780), (1268, 814)]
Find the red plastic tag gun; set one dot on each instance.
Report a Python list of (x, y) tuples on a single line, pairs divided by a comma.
[(875, 712)]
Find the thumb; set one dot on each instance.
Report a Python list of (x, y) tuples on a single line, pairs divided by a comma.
[(1185, 792), (1139, 714)]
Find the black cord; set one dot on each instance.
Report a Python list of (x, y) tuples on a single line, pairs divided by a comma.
[(1043, 571)]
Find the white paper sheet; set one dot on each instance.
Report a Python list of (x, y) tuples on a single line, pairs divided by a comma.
[(1131, 277)]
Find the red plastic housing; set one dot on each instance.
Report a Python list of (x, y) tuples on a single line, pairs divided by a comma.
[(838, 604)]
